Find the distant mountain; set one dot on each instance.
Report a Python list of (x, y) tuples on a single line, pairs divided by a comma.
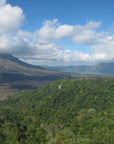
[(103, 68), (100, 69)]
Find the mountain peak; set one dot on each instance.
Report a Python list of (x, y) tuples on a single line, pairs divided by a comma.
[(9, 57)]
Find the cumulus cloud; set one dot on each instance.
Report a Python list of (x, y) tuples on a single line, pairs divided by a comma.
[(80, 34), (11, 18), (86, 34), (52, 31), (14, 45), (63, 31), (44, 45)]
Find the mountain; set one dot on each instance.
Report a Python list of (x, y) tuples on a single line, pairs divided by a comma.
[(64, 112), (16, 75), (100, 69), (9, 62), (103, 68)]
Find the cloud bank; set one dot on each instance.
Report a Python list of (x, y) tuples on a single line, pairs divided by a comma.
[(44, 45)]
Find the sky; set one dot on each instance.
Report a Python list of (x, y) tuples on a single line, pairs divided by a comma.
[(58, 32)]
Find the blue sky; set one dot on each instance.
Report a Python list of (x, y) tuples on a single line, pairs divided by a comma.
[(55, 32), (67, 11)]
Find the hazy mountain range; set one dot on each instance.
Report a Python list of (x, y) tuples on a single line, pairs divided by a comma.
[(99, 69), (9, 63)]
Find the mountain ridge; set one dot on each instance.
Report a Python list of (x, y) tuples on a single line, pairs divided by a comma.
[(16, 76), (99, 69), (15, 59)]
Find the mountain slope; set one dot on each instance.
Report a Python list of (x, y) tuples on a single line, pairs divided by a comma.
[(63, 112), (9, 58), (16, 75), (11, 64)]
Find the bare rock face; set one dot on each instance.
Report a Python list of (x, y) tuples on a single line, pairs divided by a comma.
[(60, 86), (91, 111)]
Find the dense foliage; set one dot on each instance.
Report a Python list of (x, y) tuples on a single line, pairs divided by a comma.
[(63, 112)]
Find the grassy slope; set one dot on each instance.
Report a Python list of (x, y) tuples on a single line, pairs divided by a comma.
[(66, 111)]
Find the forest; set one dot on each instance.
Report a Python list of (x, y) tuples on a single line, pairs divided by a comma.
[(71, 111)]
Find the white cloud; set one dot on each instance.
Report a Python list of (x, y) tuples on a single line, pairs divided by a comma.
[(92, 25), (11, 18), (52, 31), (80, 34), (63, 31), (106, 47), (86, 34), (14, 45), (86, 37)]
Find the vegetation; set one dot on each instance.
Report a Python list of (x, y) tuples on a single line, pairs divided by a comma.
[(63, 112)]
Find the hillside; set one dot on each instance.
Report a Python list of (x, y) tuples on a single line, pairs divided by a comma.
[(63, 112), (99, 69)]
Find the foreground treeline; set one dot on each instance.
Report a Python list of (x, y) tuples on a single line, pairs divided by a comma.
[(63, 112)]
